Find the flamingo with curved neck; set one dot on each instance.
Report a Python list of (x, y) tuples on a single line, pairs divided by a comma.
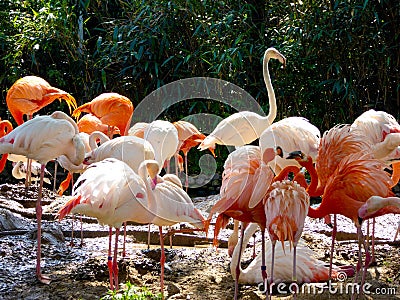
[(244, 127)]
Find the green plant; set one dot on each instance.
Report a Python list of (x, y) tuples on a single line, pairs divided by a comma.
[(132, 292)]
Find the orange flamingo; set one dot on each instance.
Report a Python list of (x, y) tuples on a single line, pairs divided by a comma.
[(111, 108), (90, 123), (245, 182), (356, 178), (29, 94), (286, 209), (5, 127), (44, 138)]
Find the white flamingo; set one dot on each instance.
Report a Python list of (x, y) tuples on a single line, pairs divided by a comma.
[(244, 127), (44, 138)]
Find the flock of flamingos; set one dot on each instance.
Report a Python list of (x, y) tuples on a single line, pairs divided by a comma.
[(352, 167)]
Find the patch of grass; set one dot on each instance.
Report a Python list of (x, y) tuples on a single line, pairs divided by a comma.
[(132, 292)]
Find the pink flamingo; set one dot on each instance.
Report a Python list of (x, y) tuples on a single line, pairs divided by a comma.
[(44, 138)]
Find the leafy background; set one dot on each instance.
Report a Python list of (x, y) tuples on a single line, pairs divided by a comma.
[(342, 56)]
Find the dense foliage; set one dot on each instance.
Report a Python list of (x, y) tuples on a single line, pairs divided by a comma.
[(343, 56)]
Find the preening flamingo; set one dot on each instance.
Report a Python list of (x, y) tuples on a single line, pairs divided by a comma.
[(308, 268), (130, 149), (287, 135), (91, 143), (377, 206), (356, 178), (5, 127), (44, 138), (20, 169), (112, 192), (90, 123), (111, 108), (245, 182), (244, 127), (29, 94), (286, 208)]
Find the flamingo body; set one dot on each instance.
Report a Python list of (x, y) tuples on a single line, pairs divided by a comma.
[(111, 108), (29, 94)]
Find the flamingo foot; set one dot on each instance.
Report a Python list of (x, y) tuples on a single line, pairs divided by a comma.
[(44, 279)]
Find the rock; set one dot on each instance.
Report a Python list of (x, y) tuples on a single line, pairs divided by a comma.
[(173, 289), (252, 295), (12, 221)]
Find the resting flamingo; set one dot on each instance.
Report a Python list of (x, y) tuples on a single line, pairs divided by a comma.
[(286, 208), (356, 178), (245, 182), (20, 169), (308, 268), (5, 127), (112, 109), (244, 127), (44, 138)]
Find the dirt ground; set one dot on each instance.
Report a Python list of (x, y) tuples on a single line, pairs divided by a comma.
[(198, 271)]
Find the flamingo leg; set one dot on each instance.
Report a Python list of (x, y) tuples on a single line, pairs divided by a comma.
[(82, 243), (186, 172), (367, 263), (72, 231), (334, 230), (55, 176), (294, 276), (162, 261), (273, 243), (109, 260), (42, 278), (115, 261), (148, 237), (263, 266), (238, 263), (254, 246), (397, 232), (124, 241), (28, 175)]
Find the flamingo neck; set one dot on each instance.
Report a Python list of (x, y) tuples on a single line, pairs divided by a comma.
[(97, 135), (271, 93), (312, 189), (285, 172)]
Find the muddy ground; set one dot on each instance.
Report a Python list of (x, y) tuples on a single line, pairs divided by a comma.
[(197, 271)]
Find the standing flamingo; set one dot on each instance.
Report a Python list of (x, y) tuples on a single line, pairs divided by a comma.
[(112, 192), (5, 127), (245, 182), (44, 138), (286, 209), (244, 127), (111, 108), (356, 178), (29, 94)]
